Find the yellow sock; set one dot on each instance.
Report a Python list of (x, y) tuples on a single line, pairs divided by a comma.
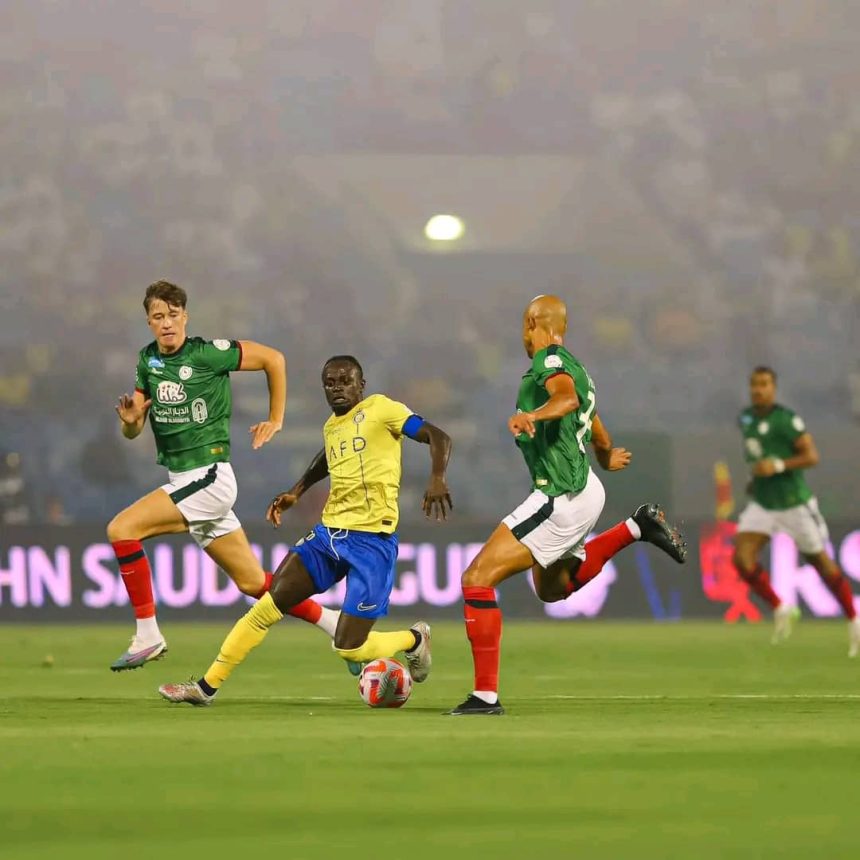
[(249, 631), (379, 645)]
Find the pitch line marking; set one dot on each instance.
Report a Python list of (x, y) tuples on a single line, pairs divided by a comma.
[(657, 698)]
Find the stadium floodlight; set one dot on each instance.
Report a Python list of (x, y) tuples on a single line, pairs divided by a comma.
[(444, 228)]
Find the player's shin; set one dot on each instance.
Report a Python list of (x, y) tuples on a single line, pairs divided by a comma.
[(483, 620), (308, 610), (321, 616), (248, 632), (759, 581), (600, 549), (137, 578), (840, 588)]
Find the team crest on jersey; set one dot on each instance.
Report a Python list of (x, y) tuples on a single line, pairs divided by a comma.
[(170, 392), (221, 344), (155, 362), (797, 423), (199, 410), (553, 361), (358, 417), (763, 427), (185, 372)]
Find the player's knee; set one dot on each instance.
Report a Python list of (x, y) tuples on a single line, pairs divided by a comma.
[(743, 563), (249, 584), (477, 575), (549, 592), (469, 578), (280, 593), (826, 567), (119, 529)]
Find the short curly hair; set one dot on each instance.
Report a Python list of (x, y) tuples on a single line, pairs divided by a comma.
[(174, 295)]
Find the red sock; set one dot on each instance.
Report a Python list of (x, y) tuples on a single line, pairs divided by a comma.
[(136, 575), (484, 629), (840, 588), (598, 551), (266, 585), (308, 610), (759, 582)]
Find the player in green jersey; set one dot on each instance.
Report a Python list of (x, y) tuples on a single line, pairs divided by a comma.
[(183, 385), (778, 447), (556, 420)]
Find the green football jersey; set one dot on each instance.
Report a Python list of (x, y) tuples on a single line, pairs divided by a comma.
[(191, 400), (556, 456), (774, 435)]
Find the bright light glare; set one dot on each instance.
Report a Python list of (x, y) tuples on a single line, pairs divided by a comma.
[(444, 228)]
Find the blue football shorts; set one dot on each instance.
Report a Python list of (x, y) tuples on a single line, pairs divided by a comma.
[(366, 559)]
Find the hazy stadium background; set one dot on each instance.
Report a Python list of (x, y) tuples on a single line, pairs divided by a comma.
[(685, 173)]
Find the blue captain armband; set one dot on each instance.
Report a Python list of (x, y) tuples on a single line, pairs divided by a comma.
[(412, 426)]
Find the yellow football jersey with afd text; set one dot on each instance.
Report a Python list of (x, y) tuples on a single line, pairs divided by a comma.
[(363, 451)]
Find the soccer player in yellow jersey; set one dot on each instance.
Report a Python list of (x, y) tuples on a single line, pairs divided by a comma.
[(357, 536)]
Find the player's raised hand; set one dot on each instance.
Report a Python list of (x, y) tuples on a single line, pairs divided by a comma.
[(619, 458), (522, 422), (282, 502), (436, 497), (129, 412), (263, 432)]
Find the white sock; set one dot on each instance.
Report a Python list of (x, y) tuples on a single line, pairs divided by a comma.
[(328, 620), (488, 696), (634, 528), (147, 631)]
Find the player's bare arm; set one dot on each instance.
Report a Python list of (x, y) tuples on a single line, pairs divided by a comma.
[(611, 459), (437, 497), (132, 413), (256, 356), (562, 401), (805, 458), (315, 472)]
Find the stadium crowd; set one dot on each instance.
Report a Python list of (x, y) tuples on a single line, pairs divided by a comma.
[(123, 164)]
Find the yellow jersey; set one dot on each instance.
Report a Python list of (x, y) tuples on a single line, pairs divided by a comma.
[(363, 449)]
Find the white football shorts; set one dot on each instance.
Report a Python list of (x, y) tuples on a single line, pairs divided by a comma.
[(555, 527), (205, 497), (803, 524)]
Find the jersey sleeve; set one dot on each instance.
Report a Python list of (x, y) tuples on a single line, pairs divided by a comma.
[(141, 377), (393, 414), (222, 356), (548, 363)]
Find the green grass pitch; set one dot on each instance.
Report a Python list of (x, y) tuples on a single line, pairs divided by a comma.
[(621, 740)]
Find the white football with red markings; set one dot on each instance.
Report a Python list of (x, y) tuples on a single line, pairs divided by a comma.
[(385, 683)]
